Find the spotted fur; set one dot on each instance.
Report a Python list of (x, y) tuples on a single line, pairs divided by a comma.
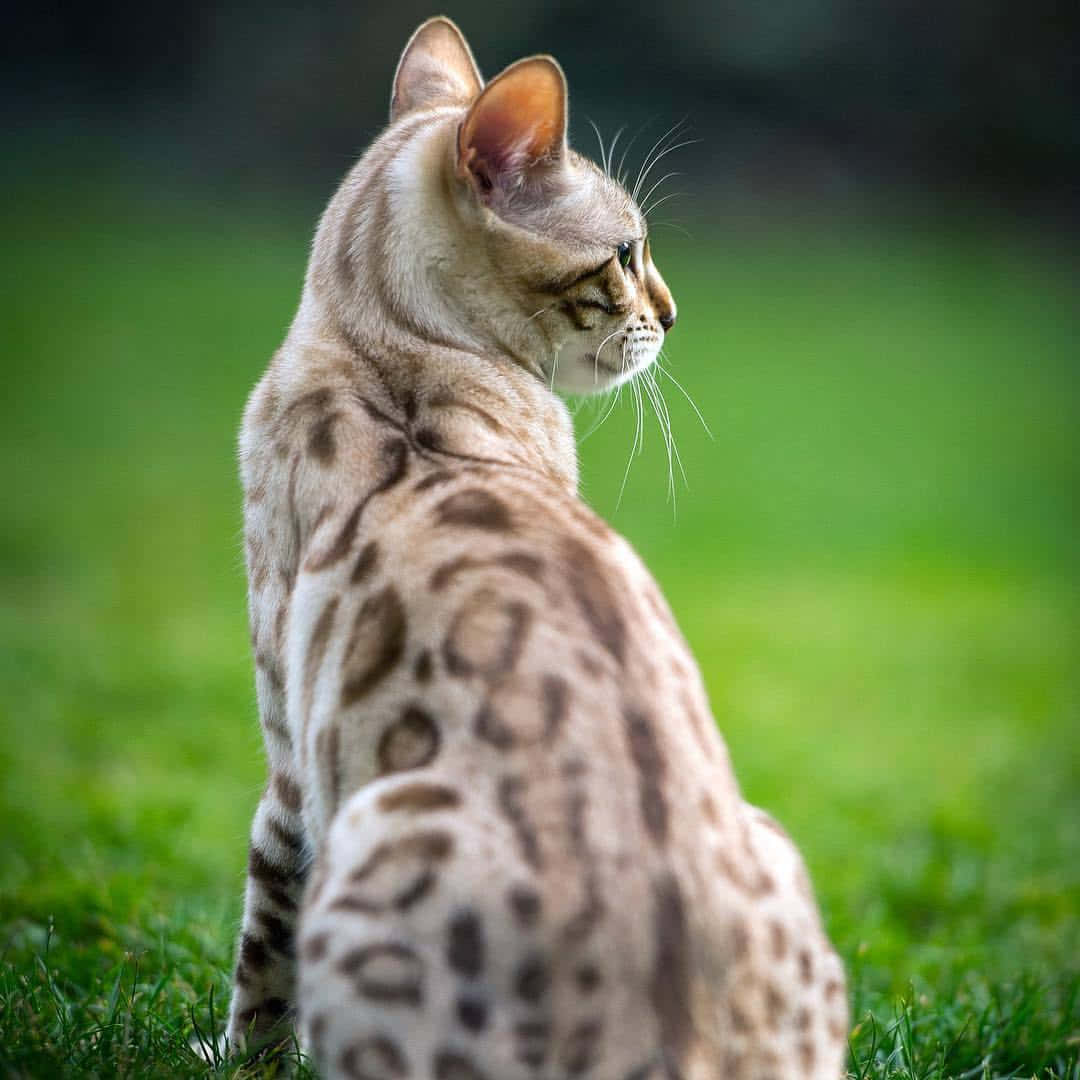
[(500, 839)]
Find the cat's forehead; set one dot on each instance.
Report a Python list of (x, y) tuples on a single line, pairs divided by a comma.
[(596, 210)]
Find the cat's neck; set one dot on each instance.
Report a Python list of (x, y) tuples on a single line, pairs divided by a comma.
[(459, 405), (393, 322)]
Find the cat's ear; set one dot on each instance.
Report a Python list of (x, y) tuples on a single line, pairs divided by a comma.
[(515, 131), (436, 68)]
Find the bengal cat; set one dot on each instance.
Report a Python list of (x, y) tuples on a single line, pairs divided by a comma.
[(501, 838)]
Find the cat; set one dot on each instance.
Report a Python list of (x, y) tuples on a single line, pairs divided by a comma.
[(501, 838)]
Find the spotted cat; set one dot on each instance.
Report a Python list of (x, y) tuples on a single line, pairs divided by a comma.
[(501, 838)]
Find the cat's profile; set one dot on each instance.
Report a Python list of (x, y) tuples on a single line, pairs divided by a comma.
[(501, 839)]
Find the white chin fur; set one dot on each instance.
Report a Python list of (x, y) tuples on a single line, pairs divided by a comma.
[(618, 359)]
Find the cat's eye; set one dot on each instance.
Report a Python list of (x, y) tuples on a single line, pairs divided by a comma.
[(624, 253)]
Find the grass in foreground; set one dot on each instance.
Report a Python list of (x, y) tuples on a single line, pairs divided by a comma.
[(874, 564)]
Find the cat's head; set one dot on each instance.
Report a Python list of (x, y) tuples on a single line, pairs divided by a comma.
[(490, 228)]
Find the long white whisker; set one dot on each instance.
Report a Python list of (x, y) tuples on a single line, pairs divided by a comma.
[(664, 422), (682, 390), (671, 131), (600, 140), (550, 307), (597, 425), (648, 194), (663, 154), (670, 225), (663, 199), (671, 430), (596, 355), (630, 460), (620, 175), (611, 149)]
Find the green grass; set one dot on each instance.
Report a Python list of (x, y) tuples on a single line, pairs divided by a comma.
[(875, 563)]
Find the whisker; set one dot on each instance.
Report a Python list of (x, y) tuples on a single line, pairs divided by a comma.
[(621, 176), (662, 200), (611, 149), (639, 410), (671, 225), (671, 431), (600, 140), (667, 176), (682, 390), (598, 424), (663, 154), (655, 148)]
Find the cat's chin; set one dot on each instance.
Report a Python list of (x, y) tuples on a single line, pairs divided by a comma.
[(615, 363)]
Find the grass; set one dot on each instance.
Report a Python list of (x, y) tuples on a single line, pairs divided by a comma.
[(875, 563)]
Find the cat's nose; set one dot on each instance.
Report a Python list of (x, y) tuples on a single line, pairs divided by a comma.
[(667, 319)]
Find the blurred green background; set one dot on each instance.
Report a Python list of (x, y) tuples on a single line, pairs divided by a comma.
[(874, 556)]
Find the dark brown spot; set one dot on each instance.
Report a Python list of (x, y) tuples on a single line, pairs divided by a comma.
[(278, 933), (779, 939), (450, 1065), (434, 479), (264, 870), (806, 966), (328, 756), (487, 636), (588, 584), (321, 438), (395, 463), (376, 644), (669, 989), (806, 1056), (651, 768), (525, 904), (428, 439), (316, 653), (740, 1022), (390, 973), (581, 1050), (532, 979), (775, 1005), (442, 575), (588, 978), (473, 1013), (589, 664), (511, 792), (419, 797), (396, 874), (366, 562), (253, 953), (445, 401), (531, 1037), (423, 669), (288, 791), (376, 1058), (265, 1014), (409, 742), (285, 836), (315, 947), (588, 916), (465, 944), (474, 508)]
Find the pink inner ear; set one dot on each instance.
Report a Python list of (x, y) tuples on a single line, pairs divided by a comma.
[(518, 121)]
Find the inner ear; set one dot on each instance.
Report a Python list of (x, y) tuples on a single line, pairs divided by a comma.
[(436, 68), (516, 125)]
